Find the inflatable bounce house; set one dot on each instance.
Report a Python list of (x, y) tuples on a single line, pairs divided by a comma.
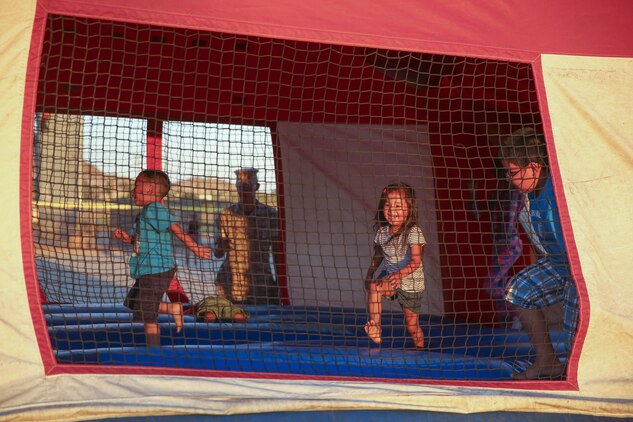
[(321, 105)]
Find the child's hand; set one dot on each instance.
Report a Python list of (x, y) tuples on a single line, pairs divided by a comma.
[(202, 252), (395, 281), (122, 235)]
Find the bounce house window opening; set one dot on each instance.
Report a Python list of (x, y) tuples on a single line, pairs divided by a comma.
[(278, 153), (87, 188)]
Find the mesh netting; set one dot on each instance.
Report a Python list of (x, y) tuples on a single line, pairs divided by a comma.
[(327, 127)]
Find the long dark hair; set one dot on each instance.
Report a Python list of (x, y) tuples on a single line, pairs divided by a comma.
[(409, 194)]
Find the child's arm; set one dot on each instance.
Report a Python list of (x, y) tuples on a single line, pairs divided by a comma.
[(373, 265), (200, 251), (395, 279), (122, 236)]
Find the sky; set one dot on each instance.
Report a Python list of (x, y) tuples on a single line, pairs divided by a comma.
[(117, 145)]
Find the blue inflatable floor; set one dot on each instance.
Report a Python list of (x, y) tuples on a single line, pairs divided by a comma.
[(296, 340)]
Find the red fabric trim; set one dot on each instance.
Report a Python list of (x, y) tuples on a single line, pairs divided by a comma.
[(143, 370), (511, 30), (31, 281)]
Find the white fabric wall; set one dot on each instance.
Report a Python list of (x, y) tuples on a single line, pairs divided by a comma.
[(333, 177)]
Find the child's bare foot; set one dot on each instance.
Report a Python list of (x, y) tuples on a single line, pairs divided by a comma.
[(373, 331), (537, 371), (178, 316), (210, 317), (418, 339)]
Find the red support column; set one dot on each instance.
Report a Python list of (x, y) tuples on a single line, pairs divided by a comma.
[(155, 144), (176, 292)]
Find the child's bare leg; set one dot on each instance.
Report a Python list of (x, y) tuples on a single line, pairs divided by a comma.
[(375, 291), (412, 321), (175, 310), (374, 304), (152, 334), (547, 364)]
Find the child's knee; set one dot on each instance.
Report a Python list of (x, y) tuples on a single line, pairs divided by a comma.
[(371, 286), (239, 317), (381, 287), (210, 317)]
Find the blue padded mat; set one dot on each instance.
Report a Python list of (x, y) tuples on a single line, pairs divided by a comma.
[(297, 340)]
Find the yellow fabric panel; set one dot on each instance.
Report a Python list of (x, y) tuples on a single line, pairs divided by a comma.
[(20, 362), (591, 107)]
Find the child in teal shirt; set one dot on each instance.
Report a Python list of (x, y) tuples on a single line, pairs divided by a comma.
[(152, 263)]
